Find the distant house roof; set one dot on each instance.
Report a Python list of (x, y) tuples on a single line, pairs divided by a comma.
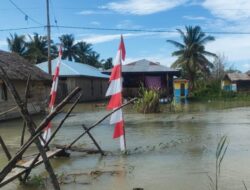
[(248, 72), (237, 77), (17, 68), (145, 66), (73, 69)]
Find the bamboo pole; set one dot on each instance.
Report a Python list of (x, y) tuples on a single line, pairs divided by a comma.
[(5, 149), (25, 104), (51, 137), (93, 139), (9, 110), (31, 126), (39, 129), (98, 122)]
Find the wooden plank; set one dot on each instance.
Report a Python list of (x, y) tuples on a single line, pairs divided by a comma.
[(22, 166)]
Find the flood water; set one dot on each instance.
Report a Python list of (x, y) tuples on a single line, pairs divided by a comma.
[(173, 151)]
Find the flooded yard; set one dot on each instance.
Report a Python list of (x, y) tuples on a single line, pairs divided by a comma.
[(165, 151)]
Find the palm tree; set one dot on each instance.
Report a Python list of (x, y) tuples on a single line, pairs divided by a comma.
[(70, 51), (191, 54), (83, 51), (37, 49), (17, 44), (108, 64), (93, 59)]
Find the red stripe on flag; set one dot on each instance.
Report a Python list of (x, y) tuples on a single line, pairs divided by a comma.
[(119, 129), (52, 99), (48, 126), (122, 49), (116, 72), (115, 101)]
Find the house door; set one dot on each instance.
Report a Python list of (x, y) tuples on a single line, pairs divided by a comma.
[(182, 89)]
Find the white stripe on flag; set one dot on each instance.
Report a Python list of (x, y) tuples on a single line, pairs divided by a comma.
[(46, 136), (115, 87), (117, 59), (52, 88), (116, 117), (56, 84)]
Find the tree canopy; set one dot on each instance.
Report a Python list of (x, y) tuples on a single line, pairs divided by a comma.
[(35, 47), (191, 54)]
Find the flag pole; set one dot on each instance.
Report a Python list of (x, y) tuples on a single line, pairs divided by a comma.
[(123, 143), (115, 91)]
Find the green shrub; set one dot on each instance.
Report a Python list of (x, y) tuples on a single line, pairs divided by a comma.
[(148, 101), (36, 181)]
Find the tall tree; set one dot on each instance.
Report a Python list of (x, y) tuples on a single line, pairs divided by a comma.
[(17, 44), (70, 51), (37, 49), (93, 60), (219, 63), (108, 64), (191, 54), (83, 51)]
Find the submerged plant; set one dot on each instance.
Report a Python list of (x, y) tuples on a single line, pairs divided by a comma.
[(148, 101), (220, 153), (36, 181), (245, 187)]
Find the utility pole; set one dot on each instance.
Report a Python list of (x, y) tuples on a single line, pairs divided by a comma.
[(48, 37)]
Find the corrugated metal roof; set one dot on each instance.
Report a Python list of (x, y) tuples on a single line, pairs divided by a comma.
[(143, 66), (69, 68), (238, 76)]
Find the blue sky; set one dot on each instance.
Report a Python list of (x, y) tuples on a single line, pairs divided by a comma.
[(165, 15)]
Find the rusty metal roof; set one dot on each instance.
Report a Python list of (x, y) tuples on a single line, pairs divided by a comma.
[(18, 68), (237, 77)]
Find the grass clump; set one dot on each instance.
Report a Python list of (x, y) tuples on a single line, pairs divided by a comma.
[(37, 181), (148, 101), (220, 153)]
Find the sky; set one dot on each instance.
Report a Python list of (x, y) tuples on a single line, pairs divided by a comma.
[(145, 25)]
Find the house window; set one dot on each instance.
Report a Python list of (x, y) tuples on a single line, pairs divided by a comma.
[(3, 92)]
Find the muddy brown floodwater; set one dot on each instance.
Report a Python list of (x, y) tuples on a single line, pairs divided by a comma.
[(173, 151)]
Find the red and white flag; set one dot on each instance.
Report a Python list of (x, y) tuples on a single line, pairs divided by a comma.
[(53, 92), (115, 91)]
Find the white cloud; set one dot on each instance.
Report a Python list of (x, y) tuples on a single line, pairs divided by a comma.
[(235, 48), (194, 17), (95, 23), (127, 24), (92, 12), (94, 39), (228, 9), (143, 7)]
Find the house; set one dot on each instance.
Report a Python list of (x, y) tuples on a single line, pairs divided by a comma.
[(72, 74), (149, 74), (236, 82), (18, 70)]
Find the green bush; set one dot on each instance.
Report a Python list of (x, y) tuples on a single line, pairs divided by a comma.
[(207, 89), (36, 181), (148, 101)]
